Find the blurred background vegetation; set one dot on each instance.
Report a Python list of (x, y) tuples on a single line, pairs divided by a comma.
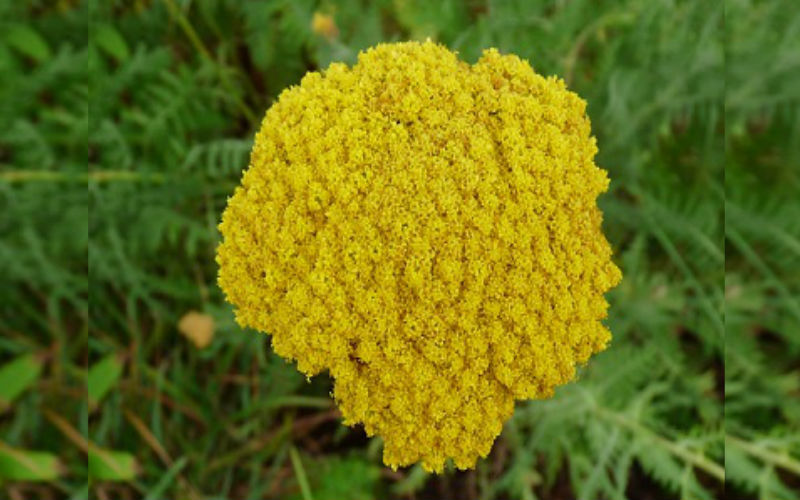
[(153, 391)]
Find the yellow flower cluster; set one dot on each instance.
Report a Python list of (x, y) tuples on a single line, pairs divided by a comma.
[(428, 232)]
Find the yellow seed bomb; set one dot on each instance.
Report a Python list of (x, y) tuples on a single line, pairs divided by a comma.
[(428, 232)]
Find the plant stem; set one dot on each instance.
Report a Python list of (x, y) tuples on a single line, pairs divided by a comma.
[(299, 402), (697, 459), (764, 454), (300, 473), (195, 40)]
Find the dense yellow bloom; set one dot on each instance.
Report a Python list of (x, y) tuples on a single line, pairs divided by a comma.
[(428, 232)]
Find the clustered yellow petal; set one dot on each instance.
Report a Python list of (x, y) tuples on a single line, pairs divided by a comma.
[(427, 231)]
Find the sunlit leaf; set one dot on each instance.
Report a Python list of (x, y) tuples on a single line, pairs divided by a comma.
[(27, 41), (26, 465), (103, 376), (17, 376), (109, 465)]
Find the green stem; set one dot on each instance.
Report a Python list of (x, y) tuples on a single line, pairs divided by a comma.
[(195, 40), (24, 176), (697, 459), (750, 254), (764, 454), (300, 473), (675, 255), (299, 402), (610, 19)]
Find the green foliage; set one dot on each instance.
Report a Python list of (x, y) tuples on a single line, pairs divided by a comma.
[(679, 97), (16, 377), (762, 448), (26, 465), (631, 405), (344, 477), (102, 377), (107, 465), (43, 241)]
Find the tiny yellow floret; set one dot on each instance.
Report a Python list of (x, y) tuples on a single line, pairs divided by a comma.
[(427, 231)]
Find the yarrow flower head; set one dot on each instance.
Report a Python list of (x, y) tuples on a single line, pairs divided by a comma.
[(427, 231)]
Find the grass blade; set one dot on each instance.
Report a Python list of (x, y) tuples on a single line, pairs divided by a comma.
[(300, 474)]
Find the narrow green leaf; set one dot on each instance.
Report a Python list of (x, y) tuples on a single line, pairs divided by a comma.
[(108, 465), (300, 474), (166, 480), (17, 376), (103, 375), (27, 465), (27, 41), (111, 42)]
